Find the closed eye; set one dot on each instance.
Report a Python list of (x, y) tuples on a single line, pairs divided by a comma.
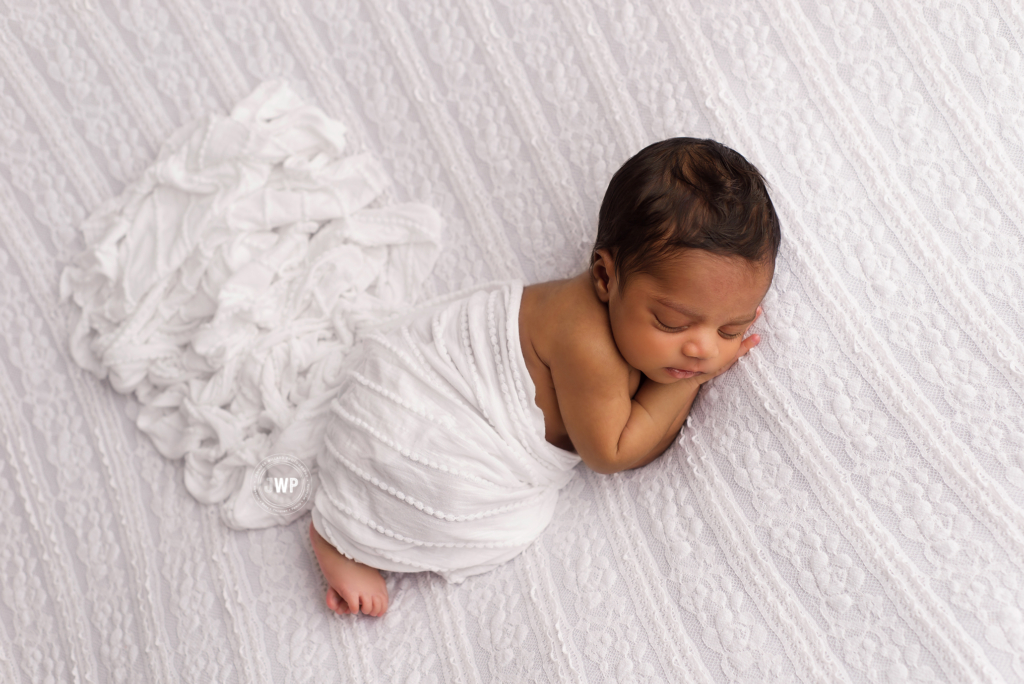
[(668, 328)]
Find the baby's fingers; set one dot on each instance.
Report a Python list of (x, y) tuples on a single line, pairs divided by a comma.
[(749, 344), (752, 341)]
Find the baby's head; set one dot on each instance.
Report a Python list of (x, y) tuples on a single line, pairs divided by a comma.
[(685, 193), (691, 222)]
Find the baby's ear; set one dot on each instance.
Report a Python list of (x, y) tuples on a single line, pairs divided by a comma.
[(602, 273)]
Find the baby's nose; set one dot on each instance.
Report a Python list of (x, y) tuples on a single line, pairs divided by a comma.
[(699, 348)]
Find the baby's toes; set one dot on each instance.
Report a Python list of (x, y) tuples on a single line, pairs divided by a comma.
[(352, 600), (336, 603), (332, 599), (380, 604)]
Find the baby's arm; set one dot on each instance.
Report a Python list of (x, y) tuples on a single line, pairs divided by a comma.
[(670, 435), (610, 430)]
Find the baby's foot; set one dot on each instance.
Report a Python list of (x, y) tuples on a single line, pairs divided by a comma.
[(352, 584)]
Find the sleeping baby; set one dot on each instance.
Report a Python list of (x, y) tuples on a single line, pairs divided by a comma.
[(454, 431)]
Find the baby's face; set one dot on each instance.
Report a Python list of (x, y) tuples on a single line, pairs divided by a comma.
[(688, 319)]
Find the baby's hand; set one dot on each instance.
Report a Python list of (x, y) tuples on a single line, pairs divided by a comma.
[(745, 346)]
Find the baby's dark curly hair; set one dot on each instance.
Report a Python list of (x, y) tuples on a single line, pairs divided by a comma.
[(686, 193)]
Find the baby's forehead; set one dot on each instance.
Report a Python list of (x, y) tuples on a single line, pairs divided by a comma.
[(698, 267), (710, 288), (731, 310)]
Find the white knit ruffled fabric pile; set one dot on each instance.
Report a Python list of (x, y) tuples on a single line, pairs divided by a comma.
[(225, 286)]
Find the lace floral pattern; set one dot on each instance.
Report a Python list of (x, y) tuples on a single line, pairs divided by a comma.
[(843, 506)]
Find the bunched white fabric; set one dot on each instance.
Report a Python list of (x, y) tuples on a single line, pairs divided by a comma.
[(435, 457), (225, 287)]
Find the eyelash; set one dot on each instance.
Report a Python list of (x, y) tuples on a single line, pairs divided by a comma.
[(680, 329)]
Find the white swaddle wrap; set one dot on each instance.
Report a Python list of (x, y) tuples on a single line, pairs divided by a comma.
[(435, 457), (225, 285)]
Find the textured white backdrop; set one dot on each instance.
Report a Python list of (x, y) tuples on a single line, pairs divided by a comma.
[(846, 504)]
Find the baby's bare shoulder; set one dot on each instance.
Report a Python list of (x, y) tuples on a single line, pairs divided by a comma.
[(571, 324), (590, 384)]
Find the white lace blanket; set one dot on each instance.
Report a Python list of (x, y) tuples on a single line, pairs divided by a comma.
[(845, 505)]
